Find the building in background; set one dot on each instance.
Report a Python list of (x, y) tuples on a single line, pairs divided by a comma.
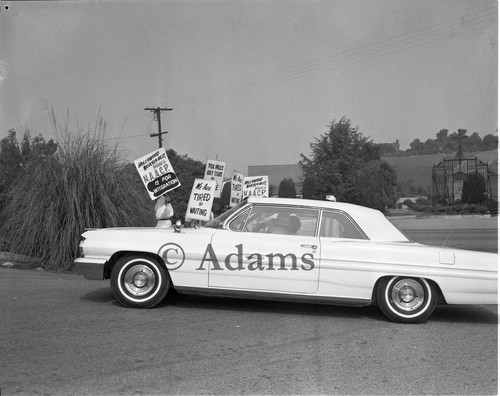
[(276, 175), (447, 177)]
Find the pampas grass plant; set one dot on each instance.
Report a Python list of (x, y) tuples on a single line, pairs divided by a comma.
[(85, 184)]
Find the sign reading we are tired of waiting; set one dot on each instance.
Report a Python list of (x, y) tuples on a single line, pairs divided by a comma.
[(201, 200), (157, 173)]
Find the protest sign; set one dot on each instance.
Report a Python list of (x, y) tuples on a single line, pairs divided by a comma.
[(201, 200), (157, 173), (255, 186), (214, 170), (236, 188)]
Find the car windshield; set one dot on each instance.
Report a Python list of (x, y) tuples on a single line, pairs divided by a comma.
[(219, 220)]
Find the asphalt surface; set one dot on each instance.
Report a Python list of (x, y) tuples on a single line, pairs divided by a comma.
[(62, 334), (468, 232)]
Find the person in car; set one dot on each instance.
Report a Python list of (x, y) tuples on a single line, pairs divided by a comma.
[(284, 224)]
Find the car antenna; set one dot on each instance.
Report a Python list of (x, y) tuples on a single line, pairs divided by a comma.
[(453, 228)]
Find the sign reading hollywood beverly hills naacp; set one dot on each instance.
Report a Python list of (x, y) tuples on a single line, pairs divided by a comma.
[(157, 173), (255, 186), (214, 170), (201, 200)]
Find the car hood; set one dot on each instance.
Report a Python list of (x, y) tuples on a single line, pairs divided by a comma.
[(107, 232)]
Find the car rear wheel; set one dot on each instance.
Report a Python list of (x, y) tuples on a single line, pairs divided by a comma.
[(406, 300), (139, 281)]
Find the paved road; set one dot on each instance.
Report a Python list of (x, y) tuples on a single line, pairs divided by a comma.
[(473, 233), (479, 240), (62, 334)]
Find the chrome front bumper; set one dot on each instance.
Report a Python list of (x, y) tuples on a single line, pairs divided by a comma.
[(90, 267)]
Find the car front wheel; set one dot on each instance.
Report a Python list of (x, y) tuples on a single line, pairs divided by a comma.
[(139, 281), (406, 300)]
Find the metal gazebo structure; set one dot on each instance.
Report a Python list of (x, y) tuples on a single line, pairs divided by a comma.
[(449, 175)]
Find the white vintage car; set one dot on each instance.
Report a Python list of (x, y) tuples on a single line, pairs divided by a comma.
[(290, 249)]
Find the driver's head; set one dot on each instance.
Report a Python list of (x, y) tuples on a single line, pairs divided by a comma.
[(284, 224)]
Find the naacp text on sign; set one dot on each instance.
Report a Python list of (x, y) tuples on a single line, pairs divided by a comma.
[(157, 173), (201, 200), (214, 170), (255, 186)]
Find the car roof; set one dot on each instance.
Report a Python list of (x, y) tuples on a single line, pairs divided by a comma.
[(373, 222)]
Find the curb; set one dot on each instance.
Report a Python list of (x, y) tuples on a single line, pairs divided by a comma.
[(10, 260)]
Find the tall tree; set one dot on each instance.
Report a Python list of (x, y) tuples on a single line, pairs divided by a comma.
[(337, 158), (442, 135), (490, 142)]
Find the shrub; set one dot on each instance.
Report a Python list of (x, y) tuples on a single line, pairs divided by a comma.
[(474, 189), (287, 189), (409, 203), (457, 209), (310, 188), (424, 201), (85, 184)]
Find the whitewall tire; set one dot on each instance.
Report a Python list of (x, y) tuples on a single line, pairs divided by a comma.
[(139, 281), (405, 299)]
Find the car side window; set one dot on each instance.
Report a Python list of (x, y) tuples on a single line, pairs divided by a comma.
[(338, 225), (238, 223), (282, 220)]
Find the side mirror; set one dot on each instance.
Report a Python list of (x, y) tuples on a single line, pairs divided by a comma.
[(177, 226)]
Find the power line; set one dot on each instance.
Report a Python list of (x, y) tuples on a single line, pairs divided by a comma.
[(392, 45), (125, 137), (464, 24), (130, 118), (311, 70)]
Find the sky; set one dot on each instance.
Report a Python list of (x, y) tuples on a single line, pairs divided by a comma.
[(251, 82)]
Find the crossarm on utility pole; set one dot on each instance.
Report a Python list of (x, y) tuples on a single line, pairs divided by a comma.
[(157, 111)]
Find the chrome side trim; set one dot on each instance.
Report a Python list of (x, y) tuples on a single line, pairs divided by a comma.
[(258, 295)]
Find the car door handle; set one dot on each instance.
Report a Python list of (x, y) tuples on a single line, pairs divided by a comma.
[(313, 247)]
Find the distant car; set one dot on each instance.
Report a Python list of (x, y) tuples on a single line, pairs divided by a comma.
[(290, 249)]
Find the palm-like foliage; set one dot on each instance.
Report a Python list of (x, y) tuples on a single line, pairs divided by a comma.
[(84, 184)]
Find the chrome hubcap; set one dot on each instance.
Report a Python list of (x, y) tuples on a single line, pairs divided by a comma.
[(407, 295), (139, 280)]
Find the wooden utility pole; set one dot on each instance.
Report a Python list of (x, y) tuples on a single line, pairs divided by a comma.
[(157, 111)]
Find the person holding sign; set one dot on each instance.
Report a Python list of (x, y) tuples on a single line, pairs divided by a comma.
[(164, 212)]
